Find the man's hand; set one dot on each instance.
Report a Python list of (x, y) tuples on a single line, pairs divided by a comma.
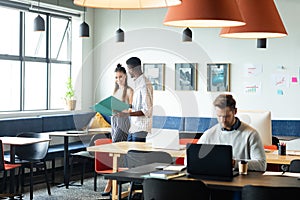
[(122, 114)]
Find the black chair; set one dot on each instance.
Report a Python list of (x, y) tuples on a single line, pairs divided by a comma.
[(159, 189), (84, 157), (4, 168), (251, 192), (32, 156), (295, 166), (135, 158)]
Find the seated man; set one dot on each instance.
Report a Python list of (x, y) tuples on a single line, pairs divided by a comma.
[(245, 140)]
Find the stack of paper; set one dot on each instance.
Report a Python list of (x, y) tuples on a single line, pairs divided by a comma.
[(166, 174), (291, 174), (109, 106)]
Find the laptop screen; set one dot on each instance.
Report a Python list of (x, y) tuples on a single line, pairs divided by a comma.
[(165, 139), (210, 160)]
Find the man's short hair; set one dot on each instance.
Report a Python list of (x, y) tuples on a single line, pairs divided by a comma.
[(133, 62), (225, 100)]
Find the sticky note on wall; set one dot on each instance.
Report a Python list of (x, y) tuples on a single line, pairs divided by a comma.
[(294, 79), (279, 92)]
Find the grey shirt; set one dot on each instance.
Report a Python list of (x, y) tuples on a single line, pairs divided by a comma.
[(245, 141)]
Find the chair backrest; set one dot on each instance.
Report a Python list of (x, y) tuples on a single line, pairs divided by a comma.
[(135, 158), (93, 139), (160, 189), (33, 152), (102, 160), (250, 192), (2, 157), (295, 166)]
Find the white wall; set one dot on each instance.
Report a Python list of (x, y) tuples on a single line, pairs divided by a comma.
[(147, 38)]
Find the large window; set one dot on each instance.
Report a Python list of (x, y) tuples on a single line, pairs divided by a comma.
[(34, 66)]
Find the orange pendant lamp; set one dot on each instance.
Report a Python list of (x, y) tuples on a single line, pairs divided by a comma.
[(204, 13), (126, 4), (262, 21)]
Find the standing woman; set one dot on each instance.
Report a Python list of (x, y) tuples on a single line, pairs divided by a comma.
[(120, 125)]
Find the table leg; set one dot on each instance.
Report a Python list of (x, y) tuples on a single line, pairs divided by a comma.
[(66, 161), (114, 182), (120, 190), (12, 175)]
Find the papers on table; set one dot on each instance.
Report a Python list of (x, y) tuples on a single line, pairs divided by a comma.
[(176, 168), (166, 174), (110, 105), (293, 153), (290, 174)]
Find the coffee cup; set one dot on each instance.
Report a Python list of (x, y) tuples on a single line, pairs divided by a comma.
[(243, 167)]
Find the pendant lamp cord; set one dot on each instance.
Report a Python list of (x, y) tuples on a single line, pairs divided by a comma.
[(84, 14), (39, 7), (120, 18)]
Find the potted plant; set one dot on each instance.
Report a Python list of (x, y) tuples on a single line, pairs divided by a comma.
[(70, 95)]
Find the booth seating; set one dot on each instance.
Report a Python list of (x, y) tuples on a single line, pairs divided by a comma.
[(47, 123)]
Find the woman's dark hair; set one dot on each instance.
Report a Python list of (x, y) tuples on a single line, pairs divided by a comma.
[(119, 68)]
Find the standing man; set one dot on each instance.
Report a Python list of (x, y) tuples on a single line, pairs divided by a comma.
[(142, 104)]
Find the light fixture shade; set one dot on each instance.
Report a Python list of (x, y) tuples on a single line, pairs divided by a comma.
[(187, 35), (120, 35), (204, 13), (262, 21), (84, 30), (126, 4), (39, 24), (262, 43)]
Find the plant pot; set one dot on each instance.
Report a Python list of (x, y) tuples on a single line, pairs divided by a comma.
[(71, 104)]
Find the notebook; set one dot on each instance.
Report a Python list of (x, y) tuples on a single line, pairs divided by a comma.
[(210, 161), (165, 139)]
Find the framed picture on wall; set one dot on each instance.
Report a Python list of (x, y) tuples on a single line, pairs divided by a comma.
[(155, 72), (185, 76), (218, 77)]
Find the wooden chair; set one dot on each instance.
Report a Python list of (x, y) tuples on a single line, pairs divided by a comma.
[(251, 192), (160, 189), (5, 167)]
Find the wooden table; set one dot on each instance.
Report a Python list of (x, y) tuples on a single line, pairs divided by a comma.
[(18, 141), (66, 135), (274, 158), (118, 148), (238, 182)]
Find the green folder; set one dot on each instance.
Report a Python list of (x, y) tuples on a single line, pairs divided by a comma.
[(109, 106)]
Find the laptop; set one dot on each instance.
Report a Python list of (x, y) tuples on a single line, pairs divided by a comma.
[(165, 139), (210, 161)]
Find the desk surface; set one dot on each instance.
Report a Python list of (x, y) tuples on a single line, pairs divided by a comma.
[(21, 140), (90, 132), (253, 178), (123, 147), (274, 158)]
